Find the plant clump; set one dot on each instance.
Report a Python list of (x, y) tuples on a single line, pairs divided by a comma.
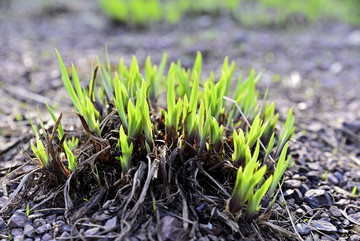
[(154, 137), (141, 12)]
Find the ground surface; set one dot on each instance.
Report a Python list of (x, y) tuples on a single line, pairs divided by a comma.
[(314, 68)]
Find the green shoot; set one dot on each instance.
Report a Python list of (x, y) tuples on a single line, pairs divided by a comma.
[(287, 133), (126, 150), (324, 177), (39, 149), (282, 165), (353, 192), (81, 101), (27, 210)]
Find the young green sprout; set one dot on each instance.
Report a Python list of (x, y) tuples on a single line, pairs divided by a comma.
[(68, 149), (126, 150), (246, 180), (39, 149), (81, 101), (73, 143), (287, 133), (173, 114), (282, 165), (216, 134), (269, 122)]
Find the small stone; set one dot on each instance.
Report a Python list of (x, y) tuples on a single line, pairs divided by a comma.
[(292, 184), (314, 166), (111, 223), (354, 237), (340, 177), (299, 198), (16, 232), (29, 231), (343, 231), (325, 187), (170, 228), (65, 235), (323, 226), (317, 198), (356, 216), (64, 228), (332, 179), (296, 177), (303, 228), (100, 217), (42, 229), (18, 220), (19, 238), (91, 232), (46, 237), (2, 224), (304, 188), (342, 202), (51, 218), (300, 212), (307, 209), (288, 193), (107, 204), (38, 222), (335, 211), (314, 175)]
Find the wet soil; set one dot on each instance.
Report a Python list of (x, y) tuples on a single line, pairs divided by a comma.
[(313, 68)]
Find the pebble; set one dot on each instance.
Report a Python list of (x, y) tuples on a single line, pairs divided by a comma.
[(307, 209), (64, 228), (42, 229), (16, 232), (340, 177), (170, 228), (38, 222), (100, 217), (303, 229), (304, 188), (293, 184), (46, 237), (288, 193), (317, 198), (2, 224), (315, 166), (91, 232), (332, 179), (29, 231), (111, 223), (65, 235), (299, 198), (314, 176), (51, 218), (323, 226), (342, 202), (343, 231), (19, 238), (354, 237), (300, 212), (18, 220)]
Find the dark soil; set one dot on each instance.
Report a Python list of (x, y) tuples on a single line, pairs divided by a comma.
[(314, 69)]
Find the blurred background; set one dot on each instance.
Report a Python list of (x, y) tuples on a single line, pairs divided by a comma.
[(308, 51)]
